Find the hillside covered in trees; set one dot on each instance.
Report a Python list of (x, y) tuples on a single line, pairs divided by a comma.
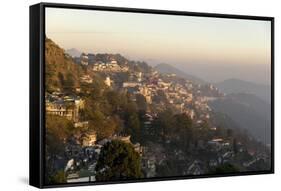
[(110, 118), (60, 70)]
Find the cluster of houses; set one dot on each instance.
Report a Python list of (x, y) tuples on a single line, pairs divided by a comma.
[(64, 105), (89, 80), (111, 66), (186, 97), (86, 79), (83, 155), (224, 154), (98, 66), (82, 149)]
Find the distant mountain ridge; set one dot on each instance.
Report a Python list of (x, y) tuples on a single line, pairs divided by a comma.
[(73, 52), (249, 112), (240, 86), (168, 69)]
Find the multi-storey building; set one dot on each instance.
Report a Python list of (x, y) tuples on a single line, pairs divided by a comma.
[(66, 107)]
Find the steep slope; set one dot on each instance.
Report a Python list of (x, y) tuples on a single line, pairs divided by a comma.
[(60, 70), (249, 112)]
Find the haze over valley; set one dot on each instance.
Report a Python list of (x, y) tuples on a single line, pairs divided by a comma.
[(132, 96)]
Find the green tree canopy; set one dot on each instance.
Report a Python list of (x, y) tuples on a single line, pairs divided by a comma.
[(174, 127), (141, 102), (133, 127), (117, 161), (58, 129)]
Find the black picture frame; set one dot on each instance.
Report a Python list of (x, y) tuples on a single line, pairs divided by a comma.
[(37, 95)]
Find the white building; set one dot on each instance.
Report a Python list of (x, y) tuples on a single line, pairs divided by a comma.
[(130, 84), (107, 81)]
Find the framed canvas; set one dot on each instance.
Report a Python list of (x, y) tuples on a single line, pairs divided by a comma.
[(122, 95)]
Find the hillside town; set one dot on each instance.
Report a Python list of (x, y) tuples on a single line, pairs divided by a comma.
[(159, 91)]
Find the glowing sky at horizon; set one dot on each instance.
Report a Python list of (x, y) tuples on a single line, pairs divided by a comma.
[(164, 38)]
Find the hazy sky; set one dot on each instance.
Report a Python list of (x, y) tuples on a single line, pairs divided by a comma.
[(181, 40)]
